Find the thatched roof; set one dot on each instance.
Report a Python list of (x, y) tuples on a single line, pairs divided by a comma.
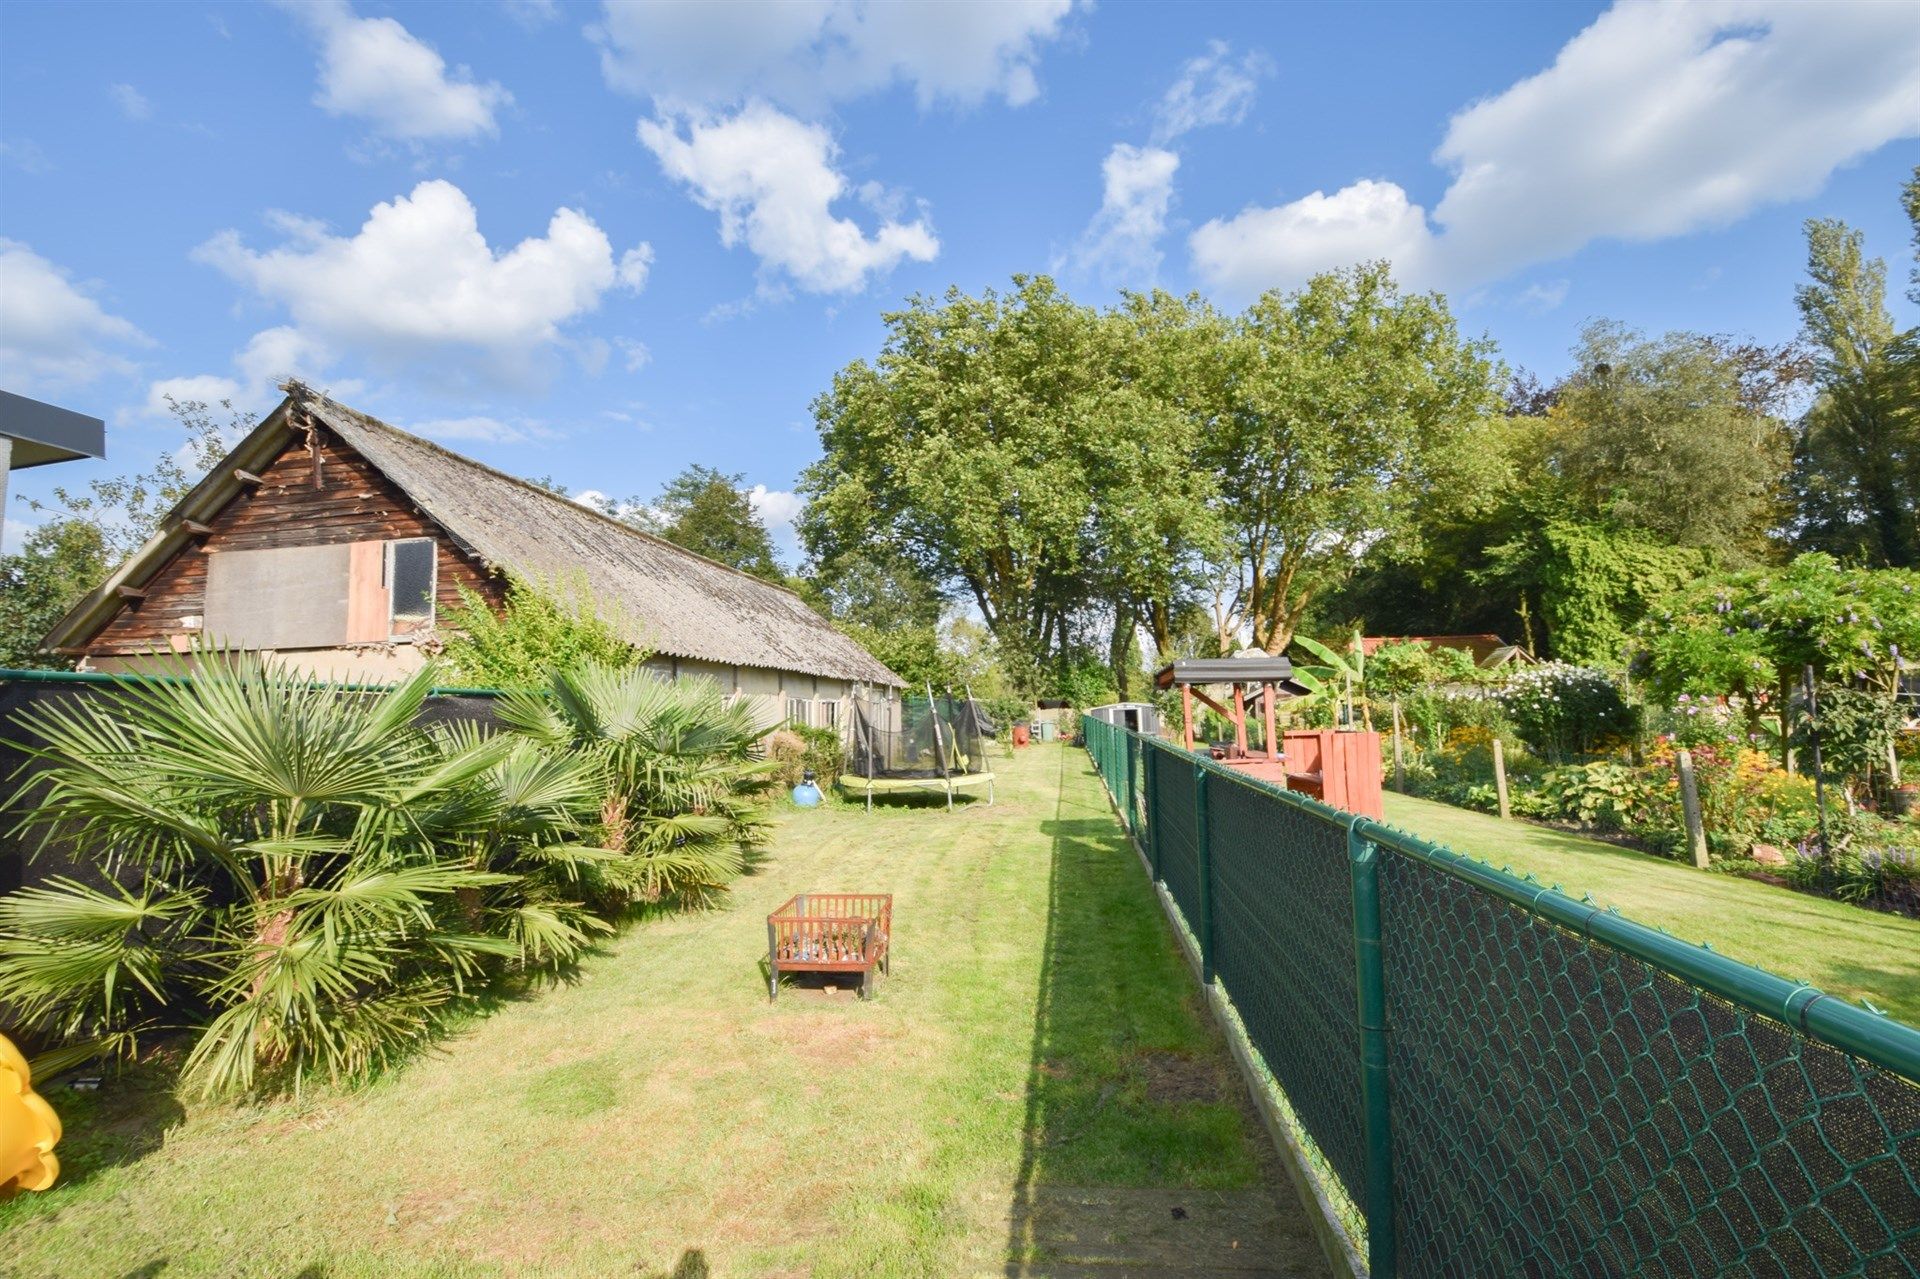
[(668, 599)]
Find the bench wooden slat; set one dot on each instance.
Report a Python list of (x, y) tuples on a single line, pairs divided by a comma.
[(829, 932)]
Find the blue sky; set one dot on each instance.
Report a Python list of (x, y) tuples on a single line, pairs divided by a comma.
[(602, 242)]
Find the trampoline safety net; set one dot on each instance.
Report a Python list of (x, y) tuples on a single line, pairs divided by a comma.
[(919, 738)]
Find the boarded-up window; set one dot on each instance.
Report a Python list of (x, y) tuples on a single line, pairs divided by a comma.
[(320, 596), (280, 597)]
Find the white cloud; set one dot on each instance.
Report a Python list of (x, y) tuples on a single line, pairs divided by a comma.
[(771, 179), (18, 524), (419, 278), (1659, 119), (1365, 221), (635, 263), (133, 104), (634, 354), (25, 155), (1121, 245), (207, 388), (273, 355), (1543, 296), (807, 53), (269, 358), (486, 429), (375, 70), (1212, 89), (780, 511), (52, 334), (532, 14)]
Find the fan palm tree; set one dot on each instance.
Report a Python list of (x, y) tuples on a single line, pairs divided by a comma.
[(680, 768), (298, 876)]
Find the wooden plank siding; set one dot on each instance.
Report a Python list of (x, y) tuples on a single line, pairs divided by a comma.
[(346, 500)]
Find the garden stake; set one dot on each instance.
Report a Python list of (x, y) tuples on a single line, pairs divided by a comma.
[(1690, 809), (1813, 750), (1399, 760), (1500, 778)]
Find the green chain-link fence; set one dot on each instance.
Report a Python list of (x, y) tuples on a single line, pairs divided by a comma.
[(1507, 1081)]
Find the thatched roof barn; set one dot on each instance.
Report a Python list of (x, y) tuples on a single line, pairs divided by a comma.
[(332, 539)]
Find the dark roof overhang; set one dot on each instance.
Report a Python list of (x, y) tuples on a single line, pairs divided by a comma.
[(1277, 671), (43, 433)]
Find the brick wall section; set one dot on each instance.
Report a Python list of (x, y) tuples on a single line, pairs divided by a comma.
[(348, 502)]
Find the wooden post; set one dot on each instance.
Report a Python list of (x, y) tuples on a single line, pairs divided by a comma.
[(1186, 716), (1399, 759), (1690, 809), (1268, 693), (1240, 718), (1500, 778)]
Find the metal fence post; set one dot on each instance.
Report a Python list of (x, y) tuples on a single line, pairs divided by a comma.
[(1133, 797), (1370, 986), (1153, 812), (1206, 872)]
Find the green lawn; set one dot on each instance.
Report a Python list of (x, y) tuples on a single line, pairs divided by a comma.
[(1037, 1082), (1842, 949)]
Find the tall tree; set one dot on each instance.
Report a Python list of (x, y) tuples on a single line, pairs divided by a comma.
[(1857, 461), (58, 563), (959, 449), (1153, 525), (1664, 435), (1351, 409), (710, 513)]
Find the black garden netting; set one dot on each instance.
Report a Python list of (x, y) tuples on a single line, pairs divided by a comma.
[(919, 738)]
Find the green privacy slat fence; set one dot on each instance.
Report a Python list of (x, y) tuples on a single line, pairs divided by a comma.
[(1508, 1081)]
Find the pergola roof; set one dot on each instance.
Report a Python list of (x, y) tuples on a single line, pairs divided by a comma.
[(1277, 671)]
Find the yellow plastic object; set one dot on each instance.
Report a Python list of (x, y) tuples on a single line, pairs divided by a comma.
[(28, 1128)]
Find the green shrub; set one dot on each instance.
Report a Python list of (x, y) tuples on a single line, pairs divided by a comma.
[(1406, 666), (795, 749), (1606, 794), (1857, 730), (542, 628), (678, 769), (1562, 711), (1872, 862)]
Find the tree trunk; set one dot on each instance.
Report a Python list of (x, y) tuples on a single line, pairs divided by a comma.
[(1119, 649)]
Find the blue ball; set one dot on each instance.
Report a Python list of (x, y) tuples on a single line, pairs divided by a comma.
[(806, 795)]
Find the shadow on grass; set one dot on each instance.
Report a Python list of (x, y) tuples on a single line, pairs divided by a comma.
[(122, 1122), (1131, 1111)]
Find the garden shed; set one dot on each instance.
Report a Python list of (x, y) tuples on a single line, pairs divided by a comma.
[(337, 542)]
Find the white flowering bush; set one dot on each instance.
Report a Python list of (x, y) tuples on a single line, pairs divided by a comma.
[(1562, 710)]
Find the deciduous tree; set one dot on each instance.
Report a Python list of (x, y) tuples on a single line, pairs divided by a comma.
[(1857, 463), (1351, 410)]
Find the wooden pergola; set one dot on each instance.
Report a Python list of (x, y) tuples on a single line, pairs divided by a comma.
[(1272, 677)]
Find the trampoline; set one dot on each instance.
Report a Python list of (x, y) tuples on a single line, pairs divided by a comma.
[(918, 746)]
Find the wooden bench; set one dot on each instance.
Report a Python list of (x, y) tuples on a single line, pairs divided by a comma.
[(830, 933)]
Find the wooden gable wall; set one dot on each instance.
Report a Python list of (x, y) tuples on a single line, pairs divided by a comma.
[(349, 501)]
